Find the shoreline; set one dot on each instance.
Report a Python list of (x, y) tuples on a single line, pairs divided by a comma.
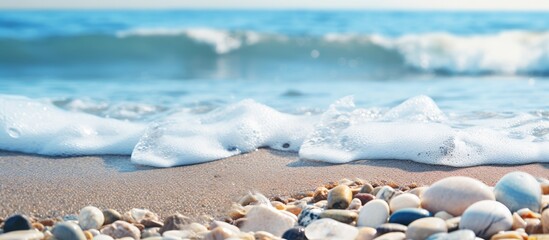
[(53, 187)]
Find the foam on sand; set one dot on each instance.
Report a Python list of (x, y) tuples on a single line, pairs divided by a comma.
[(415, 130)]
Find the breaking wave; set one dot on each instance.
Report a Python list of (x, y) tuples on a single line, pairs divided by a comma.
[(505, 53)]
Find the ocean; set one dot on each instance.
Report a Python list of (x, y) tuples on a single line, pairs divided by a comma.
[(179, 87)]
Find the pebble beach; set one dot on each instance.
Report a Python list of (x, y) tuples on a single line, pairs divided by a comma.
[(278, 197)]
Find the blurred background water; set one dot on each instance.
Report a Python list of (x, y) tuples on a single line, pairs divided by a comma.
[(140, 64)]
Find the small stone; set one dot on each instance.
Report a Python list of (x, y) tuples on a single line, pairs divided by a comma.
[(518, 190), (110, 216), (373, 214), (137, 214), (278, 205), (150, 232), (329, 229), (405, 200), (90, 217), (464, 234), (263, 218), (94, 232), (366, 188), (443, 215), (17, 222), (344, 216), (425, 227), (321, 204), (533, 226), (175, 222), (406, 216), (418, 191), (148, 223), (321, 193), (339, 197), (88, 235), (22, 235), (308, 215), (356, 204), (179, 234), (486, 218), (366, 233), (455, 194), (365, 197), (392, 236), (545, 220), (220, 233), (215, 224), (507, 235), (527, 213), (47, 222), (385, 193), (453, 224), (38, 226), (296, 233), (518, 222), (68, 231), (295, 210), (390, 227), (139, 226), (120, 229), (103, 237)]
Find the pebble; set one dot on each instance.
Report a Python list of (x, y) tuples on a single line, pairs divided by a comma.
[(418, 191), (392, 236), (88, 235), (17, 222), (181, 234), (464, 234), (38, 226), (486, 218), (545, 220), (385, 193), (138, 214), (68, 231), (366, 233), (453, 224), (425, 227), (373, 214), (149, 223), (366, 188), (103, 237), (507, 235), (356, 204), (455, 194), (518, 222), (90, 217), (443, 215), (308, 215), (47, 222), (22, 235), (390, 227), (263, 218), (329, 229), (406, 216), (120, 229), (365, 197), (321, 193), (296, 233), (518, 190), (533, 226), (175, 222), (339, 197), (151, 232), (405, 200), (110, 216), (344, 216)]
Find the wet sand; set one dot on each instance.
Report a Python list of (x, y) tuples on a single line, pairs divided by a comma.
[(50, 187)]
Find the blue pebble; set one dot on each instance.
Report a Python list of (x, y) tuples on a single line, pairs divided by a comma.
[(297, 233), (406, 216), (16, 223), (518, 190)]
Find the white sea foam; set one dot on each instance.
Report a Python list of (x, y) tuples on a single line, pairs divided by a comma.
[(34, 126), (239, 128), (414, 130)]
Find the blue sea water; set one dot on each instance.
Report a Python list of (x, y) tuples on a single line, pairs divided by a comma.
[(174, 87)]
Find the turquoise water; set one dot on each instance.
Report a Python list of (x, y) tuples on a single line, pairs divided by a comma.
[(88, 71)]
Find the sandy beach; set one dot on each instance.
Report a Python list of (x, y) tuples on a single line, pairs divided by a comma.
[(49, 187)]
